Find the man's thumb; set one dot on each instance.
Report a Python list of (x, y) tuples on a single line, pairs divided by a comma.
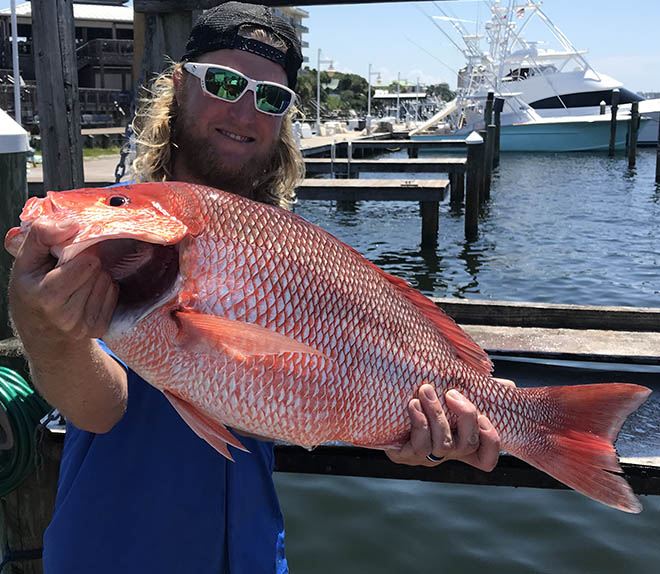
[(33, 250)]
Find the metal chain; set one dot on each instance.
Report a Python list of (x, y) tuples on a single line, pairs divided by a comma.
[(125, 150)]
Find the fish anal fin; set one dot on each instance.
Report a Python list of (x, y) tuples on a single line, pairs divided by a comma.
[(204, 333), (205, 427)]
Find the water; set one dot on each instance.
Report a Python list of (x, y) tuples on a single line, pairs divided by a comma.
[(575, 229)]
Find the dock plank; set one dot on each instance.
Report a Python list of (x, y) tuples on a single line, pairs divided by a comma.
[(432, 165), (373, 189)]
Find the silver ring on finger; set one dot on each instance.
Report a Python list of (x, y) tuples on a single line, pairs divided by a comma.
[(432, 458)]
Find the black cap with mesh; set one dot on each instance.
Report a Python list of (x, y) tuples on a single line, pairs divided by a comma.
[(218, 29)]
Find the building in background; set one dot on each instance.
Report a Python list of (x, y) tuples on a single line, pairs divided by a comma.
[(104, 49)]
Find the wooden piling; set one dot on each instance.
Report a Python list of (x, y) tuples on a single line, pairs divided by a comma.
[(657, 156), (615, 107), (603, 107), (56, 70), (430, 223), (333, 157), (13, 195), (473, 181), (482, 188), (349, 157), (497, 110), (457, 188), (634, 129), (488, 111), (488, 160)]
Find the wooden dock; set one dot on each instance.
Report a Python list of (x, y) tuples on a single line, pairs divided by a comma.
[(450, 165), (433, 190), (429, 192)]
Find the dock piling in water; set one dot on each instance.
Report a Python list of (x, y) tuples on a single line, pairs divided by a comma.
[(488, 112), (489, 159), (497, 110), (634, 129), (657, 157), (474, 180), (615, 107)]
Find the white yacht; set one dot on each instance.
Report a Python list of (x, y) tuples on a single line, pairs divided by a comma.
[(553, 98)]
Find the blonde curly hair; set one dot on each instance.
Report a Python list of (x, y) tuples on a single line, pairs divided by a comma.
[(153, 127)]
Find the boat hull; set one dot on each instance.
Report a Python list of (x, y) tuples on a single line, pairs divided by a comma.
[(565, 135)]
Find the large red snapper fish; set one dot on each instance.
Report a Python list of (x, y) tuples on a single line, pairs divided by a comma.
[(246, 315)]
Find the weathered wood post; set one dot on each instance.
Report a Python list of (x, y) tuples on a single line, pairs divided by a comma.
[(430, 222), (161, 30), (634, 129), (482, 188), (333, 157), (488, 111), (488, 163), (56, 70), (497, 110), (456, 188), (657, 157), (14, 146), (474, 179), (349, 158), (615, 107)]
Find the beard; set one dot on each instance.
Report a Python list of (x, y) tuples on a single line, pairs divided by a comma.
[(201, 159)]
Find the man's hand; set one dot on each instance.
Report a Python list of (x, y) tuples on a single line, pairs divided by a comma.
[(474, 441), (58, 312), (50, 304)]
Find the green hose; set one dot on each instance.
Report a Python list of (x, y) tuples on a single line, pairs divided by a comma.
[(23, 408)]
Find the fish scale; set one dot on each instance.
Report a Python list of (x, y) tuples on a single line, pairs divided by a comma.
[(274, 327)]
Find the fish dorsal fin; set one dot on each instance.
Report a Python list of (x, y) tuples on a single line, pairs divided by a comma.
[(239, 339), (463, 344), (214, 433)]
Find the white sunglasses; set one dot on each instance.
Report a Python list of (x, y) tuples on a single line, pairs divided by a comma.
[(229, 85)]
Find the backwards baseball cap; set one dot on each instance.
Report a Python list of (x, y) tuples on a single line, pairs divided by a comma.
[(218, 29)]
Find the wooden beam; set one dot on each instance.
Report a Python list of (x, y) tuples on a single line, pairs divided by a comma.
[(549, 315), (353, 461), (13, 195), (154, 6), (160, 37), (433, 165), (373, 189), (57, 93)]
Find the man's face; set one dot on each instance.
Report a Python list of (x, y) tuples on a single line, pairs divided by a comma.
[(225, 144)]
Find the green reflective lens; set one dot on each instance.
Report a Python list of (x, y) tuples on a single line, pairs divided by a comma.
[(230, 86), (272, 99), (224, 84)]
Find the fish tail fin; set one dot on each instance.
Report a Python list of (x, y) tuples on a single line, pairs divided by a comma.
[(577, 427)]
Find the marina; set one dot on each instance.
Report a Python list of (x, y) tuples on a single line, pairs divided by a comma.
[(548, 259)]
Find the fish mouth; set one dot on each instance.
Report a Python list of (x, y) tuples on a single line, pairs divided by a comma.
[(147, 275)]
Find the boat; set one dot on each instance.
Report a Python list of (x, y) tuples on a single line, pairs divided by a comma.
[(553, 99)]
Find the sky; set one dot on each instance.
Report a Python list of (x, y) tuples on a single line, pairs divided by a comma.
[(401, 40)]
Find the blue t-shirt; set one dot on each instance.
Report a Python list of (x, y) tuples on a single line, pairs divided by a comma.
[(151, 496)]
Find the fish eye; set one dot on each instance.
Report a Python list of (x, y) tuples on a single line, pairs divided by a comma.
[(118, 201)]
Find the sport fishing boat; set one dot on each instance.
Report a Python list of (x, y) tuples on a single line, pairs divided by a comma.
[(553, 99)]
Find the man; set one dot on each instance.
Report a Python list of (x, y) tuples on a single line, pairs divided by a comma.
[(138, 490)]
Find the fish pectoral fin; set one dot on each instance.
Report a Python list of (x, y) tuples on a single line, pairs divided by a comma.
[(241, 340), (214, 433)]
